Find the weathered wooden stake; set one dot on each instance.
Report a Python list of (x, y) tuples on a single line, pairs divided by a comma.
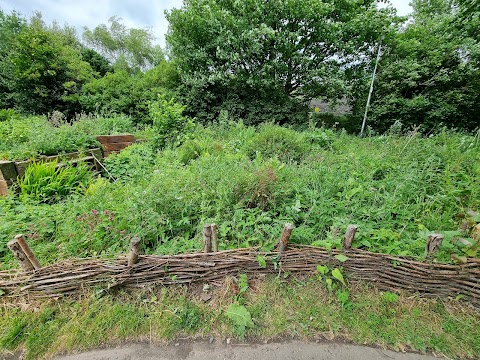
[(207, 238), (349, 236), (286, 233), (476, 232), (21, 251), (134, 251), (214, 237), (433, 243)]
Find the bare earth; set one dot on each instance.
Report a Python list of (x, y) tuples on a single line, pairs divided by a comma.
[(202, 350)]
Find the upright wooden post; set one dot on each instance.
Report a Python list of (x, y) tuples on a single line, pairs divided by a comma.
[(476, 232), (214, 237), (22, 252), (349, 236), (207, 238), (134, 251), (433, 243), (286, 233)]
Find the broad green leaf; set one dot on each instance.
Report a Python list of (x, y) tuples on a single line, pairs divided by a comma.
[(337, 274), (239, 315), (329, 283), (340, 257), (261, 261), (322, 269), (2, 292)]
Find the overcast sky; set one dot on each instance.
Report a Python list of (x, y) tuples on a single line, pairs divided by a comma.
[(135, 13)]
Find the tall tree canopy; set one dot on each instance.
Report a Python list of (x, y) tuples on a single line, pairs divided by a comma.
[(10, 26), (293, 48), (125, 48), (429, 74), (45, 68)]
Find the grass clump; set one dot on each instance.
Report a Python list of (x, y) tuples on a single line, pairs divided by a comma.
[(293, 308), (47, 182)]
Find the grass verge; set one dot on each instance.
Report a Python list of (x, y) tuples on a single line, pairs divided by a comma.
[(293, 308)]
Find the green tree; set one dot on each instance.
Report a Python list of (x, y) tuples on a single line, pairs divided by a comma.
[(48, 70), (428, 74), (120, 92), (126, 49), (270, 52), (98, 63), (10, 26)]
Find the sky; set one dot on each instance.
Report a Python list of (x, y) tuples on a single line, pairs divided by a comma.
[(134, 13)]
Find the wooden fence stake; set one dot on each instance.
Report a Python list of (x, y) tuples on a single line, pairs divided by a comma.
[(22, 252), (286, 233), (349, 236), (476, 233), (214, 237), (433, 243), (207, 238), (134, 251)]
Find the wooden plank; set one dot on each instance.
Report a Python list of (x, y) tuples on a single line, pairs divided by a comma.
[(116, 146), (3, 188), (8, 170), (110, 139), (21, 166)]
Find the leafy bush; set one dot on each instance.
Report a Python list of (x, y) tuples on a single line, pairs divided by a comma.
[(7, 114), (190, 150), (47, 182), (169, 123), (276, 141), (134, 162)]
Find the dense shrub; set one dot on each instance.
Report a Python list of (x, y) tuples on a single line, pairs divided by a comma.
[(169, 123), (275, 141), (134, 162)]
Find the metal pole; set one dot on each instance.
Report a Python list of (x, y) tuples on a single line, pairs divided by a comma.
[(371, 90)]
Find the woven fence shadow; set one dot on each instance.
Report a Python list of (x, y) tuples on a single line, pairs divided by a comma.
[(386, 272)]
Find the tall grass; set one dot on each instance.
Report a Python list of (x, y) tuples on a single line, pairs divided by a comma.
[(47, 182)]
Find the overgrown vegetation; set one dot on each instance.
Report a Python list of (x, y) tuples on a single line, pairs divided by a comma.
[(28, 137), (215, 152), (398, 189)]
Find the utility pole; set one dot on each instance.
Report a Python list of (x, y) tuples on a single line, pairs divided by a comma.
[(371, 88)]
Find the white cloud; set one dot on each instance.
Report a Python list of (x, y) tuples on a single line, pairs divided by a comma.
[(135, 13), (90, 13)]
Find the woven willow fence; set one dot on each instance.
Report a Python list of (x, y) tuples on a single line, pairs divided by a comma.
[(386, 272)]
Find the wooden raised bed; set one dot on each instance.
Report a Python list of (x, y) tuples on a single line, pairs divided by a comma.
[(10, 171), (115, 143)]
